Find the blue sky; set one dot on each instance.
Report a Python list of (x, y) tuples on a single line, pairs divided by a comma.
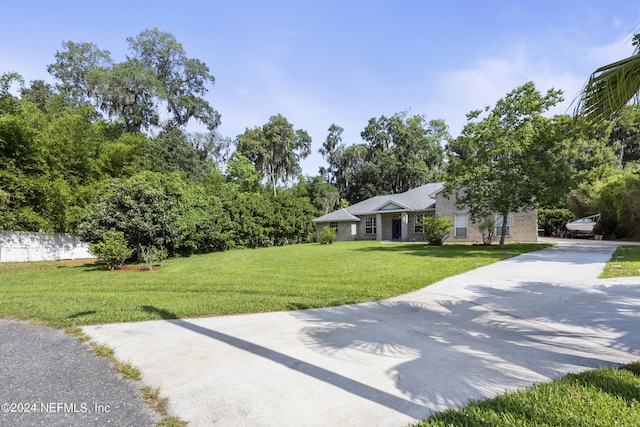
[(343, 62)]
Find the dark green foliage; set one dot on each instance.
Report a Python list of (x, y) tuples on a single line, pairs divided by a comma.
[(617, 198), (172, 152), (401, 152), (152, 209), (551, 219), (615, 194), (625, 135)]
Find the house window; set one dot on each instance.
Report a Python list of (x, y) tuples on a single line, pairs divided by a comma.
[(333, 225), (370, 225), (499, 224), (418, 227), (461, 225)]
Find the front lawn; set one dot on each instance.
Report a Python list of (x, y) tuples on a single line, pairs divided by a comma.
[(625, 261), (61, 294)]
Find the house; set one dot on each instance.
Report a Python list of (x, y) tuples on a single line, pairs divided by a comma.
[(398, 217)]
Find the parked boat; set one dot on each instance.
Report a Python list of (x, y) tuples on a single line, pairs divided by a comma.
[(585, 225)]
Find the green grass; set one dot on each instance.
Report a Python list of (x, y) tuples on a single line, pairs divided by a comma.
[(602, 397), (63, 294), (625, 261)]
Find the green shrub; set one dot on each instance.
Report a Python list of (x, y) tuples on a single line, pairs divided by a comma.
[(436, 229), (328, 235), (112, 249), (487, 227)]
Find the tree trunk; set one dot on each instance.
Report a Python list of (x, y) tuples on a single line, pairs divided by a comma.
[(503, 229)]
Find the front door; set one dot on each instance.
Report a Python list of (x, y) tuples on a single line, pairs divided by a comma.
[(396, 229)]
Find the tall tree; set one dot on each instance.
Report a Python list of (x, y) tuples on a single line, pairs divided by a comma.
[(181, 81), (625, 135), (407, 149), (79, 69), (611, 87), (275, 149), (158, 74), (39, 93), (332, 151), (496, 164)]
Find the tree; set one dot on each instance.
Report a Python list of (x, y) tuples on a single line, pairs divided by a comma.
[(157, 210), (571, 148), (175, 153), (407, 149), (611, 87), (212, 147), (181, 82), (625, 135), (275, 149), (39, 93), (323, 196), (495, 165), (8, 102), (332, 151), (242, 172), (616, 196), (139, 207), (158, 74)]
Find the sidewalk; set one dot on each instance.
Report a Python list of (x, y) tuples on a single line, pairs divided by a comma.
[(501, 327)]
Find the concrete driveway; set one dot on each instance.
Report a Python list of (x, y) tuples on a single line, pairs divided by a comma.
[(501, 327)]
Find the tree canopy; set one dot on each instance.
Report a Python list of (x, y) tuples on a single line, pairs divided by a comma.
[(275, 149), (106, 147), (157, 74), (497, 165)]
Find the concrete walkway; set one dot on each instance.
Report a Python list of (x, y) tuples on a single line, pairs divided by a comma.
[(501, 327)]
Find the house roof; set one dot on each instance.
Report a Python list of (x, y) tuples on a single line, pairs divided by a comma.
[(418, 199), (337, 216)]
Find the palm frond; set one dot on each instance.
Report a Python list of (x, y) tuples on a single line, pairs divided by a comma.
[(609, 89)]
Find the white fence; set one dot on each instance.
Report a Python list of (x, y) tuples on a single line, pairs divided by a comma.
[(23, 246)]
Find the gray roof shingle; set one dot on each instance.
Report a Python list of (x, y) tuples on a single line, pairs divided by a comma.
[(418, 199)]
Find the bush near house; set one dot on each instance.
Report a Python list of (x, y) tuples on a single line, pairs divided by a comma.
[(327, 235), (436, 229)]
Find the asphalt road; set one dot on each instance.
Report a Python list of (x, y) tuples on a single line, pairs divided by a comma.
[(49, 379)]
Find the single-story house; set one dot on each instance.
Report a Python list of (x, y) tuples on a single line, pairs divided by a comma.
[(398, 217)]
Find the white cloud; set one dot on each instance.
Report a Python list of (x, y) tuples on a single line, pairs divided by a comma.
[(606, 54), (487, 80)]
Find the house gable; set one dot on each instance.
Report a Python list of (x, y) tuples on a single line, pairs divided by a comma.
[(392, 206)]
